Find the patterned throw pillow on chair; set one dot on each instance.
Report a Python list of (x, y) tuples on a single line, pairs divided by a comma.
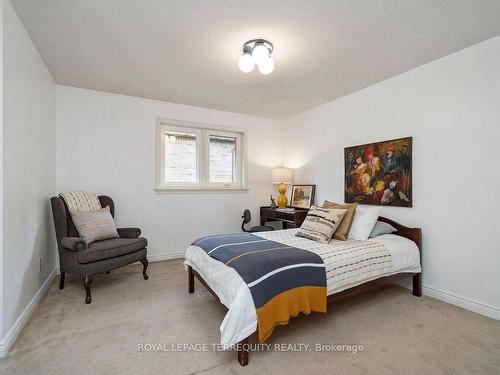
[(320, 223), (95, 225)]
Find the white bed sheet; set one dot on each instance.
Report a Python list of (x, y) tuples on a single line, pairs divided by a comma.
[(241, 319)]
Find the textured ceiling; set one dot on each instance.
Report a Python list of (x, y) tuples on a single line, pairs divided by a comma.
[(187, 51)]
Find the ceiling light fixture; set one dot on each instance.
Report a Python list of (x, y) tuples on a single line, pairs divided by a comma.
[(257, 51)]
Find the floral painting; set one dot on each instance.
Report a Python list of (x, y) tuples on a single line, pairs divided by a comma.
[(379, 173)]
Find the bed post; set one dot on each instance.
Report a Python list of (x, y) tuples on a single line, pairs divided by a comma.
[(417, 285), (190, 280), (243, 352)]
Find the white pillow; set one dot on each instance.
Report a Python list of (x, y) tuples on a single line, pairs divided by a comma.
[(363, 222)]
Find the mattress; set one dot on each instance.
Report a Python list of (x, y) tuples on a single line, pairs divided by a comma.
[(347, 263)]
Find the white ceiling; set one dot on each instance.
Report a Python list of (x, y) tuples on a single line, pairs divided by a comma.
[(187, 51)]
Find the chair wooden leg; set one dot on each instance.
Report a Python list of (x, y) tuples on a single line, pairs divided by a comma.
[(144, 268), (243, 352), (87, 280), (417, 285), (190, 280), (61, 280)]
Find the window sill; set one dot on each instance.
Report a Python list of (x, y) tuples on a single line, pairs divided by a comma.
[(182, 190)]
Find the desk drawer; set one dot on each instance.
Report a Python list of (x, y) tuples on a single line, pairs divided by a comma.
[(269, 213), (284, 215), (289, 219)]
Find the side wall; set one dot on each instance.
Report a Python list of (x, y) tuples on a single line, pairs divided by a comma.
[(451, 107), (106, 144), (28, 150)]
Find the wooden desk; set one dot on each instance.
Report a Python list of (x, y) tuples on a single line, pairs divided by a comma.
[(289, 219)]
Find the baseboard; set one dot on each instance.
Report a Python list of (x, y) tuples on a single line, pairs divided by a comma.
[(465, 303), (477, 307), (21, 321), (166, 256)]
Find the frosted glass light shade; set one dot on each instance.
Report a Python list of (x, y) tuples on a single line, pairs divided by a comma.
[(260, 53), (266, 66), (246, 63), (282, 176)]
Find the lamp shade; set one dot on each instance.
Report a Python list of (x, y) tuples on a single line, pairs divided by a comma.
[(282, 176)]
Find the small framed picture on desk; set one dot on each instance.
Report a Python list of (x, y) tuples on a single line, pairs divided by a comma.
[(302, 196)]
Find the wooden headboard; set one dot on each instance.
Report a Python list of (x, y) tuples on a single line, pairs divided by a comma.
[(414, 234)]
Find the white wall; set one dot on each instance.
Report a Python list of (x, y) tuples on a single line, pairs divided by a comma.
[(28, 150), (451, 107), (106, 144)]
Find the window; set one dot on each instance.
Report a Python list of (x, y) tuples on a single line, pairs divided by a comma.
[(194, 156), (180, 158)]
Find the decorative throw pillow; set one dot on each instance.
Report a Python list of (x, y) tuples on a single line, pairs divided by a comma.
[(94, 225), (363, 222), (345, 225), (320, 223), (381, 228)]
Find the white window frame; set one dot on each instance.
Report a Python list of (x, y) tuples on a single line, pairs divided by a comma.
[(199, 152), (206, 141), (203, 133)]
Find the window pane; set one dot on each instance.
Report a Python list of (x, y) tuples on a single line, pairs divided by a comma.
[(222, 159), (180, 158)]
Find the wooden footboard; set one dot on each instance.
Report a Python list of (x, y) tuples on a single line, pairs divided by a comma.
[(414, 234)]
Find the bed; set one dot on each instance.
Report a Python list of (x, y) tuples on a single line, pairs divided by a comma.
[(352, 267)]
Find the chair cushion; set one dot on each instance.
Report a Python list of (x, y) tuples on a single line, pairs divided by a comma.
[(107, 249), (95, 225)]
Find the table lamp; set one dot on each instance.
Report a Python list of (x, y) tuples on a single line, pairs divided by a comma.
[(282, 176)]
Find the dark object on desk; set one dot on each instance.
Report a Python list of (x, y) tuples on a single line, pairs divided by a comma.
[(273, 202), (247, 216), (289, 219)]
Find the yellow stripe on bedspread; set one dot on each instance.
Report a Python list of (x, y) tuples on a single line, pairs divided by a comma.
[(290, 303)]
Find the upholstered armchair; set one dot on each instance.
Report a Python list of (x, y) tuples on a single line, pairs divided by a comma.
[(76, 257)]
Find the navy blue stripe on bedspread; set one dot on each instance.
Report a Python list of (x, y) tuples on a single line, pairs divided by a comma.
[(267, 267)]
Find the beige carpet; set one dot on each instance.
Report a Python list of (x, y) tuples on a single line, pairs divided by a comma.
[(400, 333)]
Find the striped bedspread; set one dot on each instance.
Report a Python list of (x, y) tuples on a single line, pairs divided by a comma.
[(346, 262), (283, 280)]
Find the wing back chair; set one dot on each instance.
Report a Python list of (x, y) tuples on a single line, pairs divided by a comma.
[(76, 257)]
